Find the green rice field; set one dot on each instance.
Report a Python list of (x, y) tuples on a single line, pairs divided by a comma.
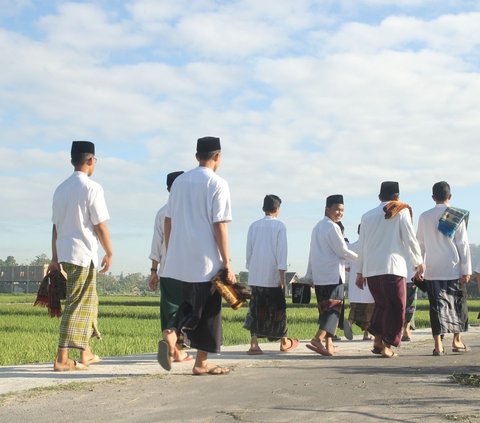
[(130, 325)]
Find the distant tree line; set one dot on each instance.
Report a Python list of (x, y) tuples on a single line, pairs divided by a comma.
[(137, 284)]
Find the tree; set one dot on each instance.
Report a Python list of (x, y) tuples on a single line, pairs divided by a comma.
[(9, 261), (40, 260)]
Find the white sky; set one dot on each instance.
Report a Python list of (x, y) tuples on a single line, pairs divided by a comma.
[(309, 98)]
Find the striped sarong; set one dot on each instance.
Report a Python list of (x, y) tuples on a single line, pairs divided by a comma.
[(448, 306), (79, 319), (451, 219), (267, 314)]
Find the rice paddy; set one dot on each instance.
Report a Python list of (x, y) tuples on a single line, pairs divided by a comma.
[(131, 325)]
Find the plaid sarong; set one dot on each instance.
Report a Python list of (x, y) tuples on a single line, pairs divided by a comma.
[(451, 220), (79, 319), (392, 208)]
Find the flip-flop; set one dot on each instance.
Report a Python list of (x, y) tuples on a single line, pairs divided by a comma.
[(75, 365), (323, 351), (164, 355), (347, 330), (438, 353), (188, 357), (393, 355), (93, 360), (377, 350), (294, 344), (214, 371), (463, 349), (255, 352), (406, 339)]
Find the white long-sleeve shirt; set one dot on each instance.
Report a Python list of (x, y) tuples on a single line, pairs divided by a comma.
[(445, 258), (328, 252), (385, 243), (266, 252), (158, 250), (355, 294)]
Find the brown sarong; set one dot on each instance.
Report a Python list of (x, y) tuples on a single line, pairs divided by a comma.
[(361, 314), (388, 319)]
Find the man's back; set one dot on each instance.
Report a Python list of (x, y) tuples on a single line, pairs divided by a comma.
[(445, 258), (78, 205), (266, 251), (385, 243), (198, 199)]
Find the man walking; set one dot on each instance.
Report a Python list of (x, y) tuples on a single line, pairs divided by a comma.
[(79, 222), (196, 234), (442, 234), (267, 263), (326, 269), (170, 290), (386, 238)]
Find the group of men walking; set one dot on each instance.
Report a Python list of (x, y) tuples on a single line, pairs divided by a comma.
[(190, 245)]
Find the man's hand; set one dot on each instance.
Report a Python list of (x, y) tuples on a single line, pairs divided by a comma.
[(420, 270), (54, 265), (465, 279), (106, 263), (153, 282), (360, 281), (230, 275)]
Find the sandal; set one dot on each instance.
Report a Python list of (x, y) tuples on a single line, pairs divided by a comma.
[(95, 359), (255, 351), (165, 356), (177, 359), (438, 353), (294, 343), (392, 355), (377, 350), (71, 365), (463, 349), (213, 371), (323, 351)]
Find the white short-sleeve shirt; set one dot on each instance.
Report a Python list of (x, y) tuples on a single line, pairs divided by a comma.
[(78, 205), (198, 199), (266, 252)]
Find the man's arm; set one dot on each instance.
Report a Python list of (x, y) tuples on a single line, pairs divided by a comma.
[(54, 265), (104, 237), (167, 229), (220, 230)]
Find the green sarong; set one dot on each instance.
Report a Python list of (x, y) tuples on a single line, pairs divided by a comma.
[(79, 318), (171, 296)]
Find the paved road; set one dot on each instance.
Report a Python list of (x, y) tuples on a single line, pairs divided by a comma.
[(354, 386)]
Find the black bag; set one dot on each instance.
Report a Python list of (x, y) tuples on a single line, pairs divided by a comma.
[(301, 293), (420, 284)]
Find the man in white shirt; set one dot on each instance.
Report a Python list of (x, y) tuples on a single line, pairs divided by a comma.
[(360, 300), (386, 238), (266, 265), (170, 289), (79, 222), (326, 270), (447, 267), (196, 235)]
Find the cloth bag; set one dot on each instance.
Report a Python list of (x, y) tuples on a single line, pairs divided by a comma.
[(301, 293)]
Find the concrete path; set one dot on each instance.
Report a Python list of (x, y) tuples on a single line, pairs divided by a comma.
[(276, 387)]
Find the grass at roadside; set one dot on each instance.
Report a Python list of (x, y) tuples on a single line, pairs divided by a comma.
[(130, 325)]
